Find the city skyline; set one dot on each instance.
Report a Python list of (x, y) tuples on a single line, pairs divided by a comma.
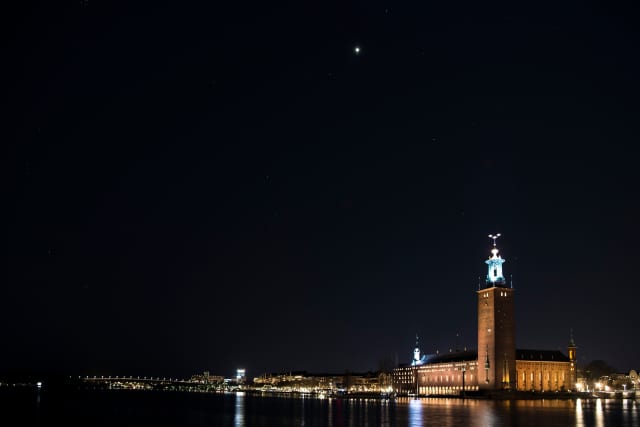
[(297, 187)]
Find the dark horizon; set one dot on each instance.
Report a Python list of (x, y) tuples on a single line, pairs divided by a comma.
[(221, 186)]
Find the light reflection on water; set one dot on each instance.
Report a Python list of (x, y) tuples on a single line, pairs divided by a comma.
[(366, 413), (243, 410), (415, 413), (599, 414), (536, 412), (487, 416), (238, 418), (446, 412), (579, 414), (384, 414)]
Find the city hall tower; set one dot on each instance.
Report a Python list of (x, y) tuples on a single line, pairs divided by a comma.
[(496, 328)]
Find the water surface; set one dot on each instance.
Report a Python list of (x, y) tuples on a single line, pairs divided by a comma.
[(129, 408)]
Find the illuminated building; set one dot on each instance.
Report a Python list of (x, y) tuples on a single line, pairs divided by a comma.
[(304, 382), (207, 378), (496, 364), (240, 375)]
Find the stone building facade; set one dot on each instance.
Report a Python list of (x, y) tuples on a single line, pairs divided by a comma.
[(448, 374), (540, 370)]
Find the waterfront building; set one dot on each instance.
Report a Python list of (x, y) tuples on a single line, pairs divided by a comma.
[(304, 382), (496, 364), (240, 375), (206, 378)]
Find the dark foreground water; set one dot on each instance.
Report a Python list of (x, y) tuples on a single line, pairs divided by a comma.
[(141, 408)]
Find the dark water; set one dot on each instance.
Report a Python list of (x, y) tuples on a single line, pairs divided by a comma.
[(141, 408)]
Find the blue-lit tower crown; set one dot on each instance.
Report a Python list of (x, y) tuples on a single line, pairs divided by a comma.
[(418, 359), (494, 263)]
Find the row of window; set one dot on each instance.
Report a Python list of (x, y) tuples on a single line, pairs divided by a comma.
[(436, 379), (547, 376), (502, 294), (445, 378)]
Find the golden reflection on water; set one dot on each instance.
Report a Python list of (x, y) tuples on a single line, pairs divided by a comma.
[(384, 414), (550, 412), (366, 413), (454, 412), (449, 412), (485, 416), (579, 413), (352, 418), (599, 414), (543, 403)]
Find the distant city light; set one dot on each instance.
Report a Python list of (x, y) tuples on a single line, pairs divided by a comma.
[(240, 374)]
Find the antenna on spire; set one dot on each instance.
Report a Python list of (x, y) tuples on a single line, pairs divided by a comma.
[(494, 237), (511, 276)]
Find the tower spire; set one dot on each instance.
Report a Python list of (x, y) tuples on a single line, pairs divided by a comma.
[(416, 353), (494, 274)]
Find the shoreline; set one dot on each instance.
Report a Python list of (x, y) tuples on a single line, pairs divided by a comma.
[(532, 395), (471, 395)]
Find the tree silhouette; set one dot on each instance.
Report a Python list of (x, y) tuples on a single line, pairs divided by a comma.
[(595, 369)]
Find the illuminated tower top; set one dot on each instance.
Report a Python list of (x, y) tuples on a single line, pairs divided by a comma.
[(418, 358), (494, 263)]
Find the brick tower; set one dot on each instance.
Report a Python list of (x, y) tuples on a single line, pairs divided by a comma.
[(496, 328)]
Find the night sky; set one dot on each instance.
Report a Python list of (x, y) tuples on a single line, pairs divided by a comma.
[(204, 186)]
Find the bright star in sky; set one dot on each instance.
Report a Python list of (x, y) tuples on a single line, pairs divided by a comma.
[(356, 49)]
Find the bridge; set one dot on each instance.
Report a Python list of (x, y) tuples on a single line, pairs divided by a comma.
[(156, 380), (154, 383)]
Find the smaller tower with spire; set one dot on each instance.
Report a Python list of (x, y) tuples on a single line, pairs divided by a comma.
[(573, 369), (418, 357)]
